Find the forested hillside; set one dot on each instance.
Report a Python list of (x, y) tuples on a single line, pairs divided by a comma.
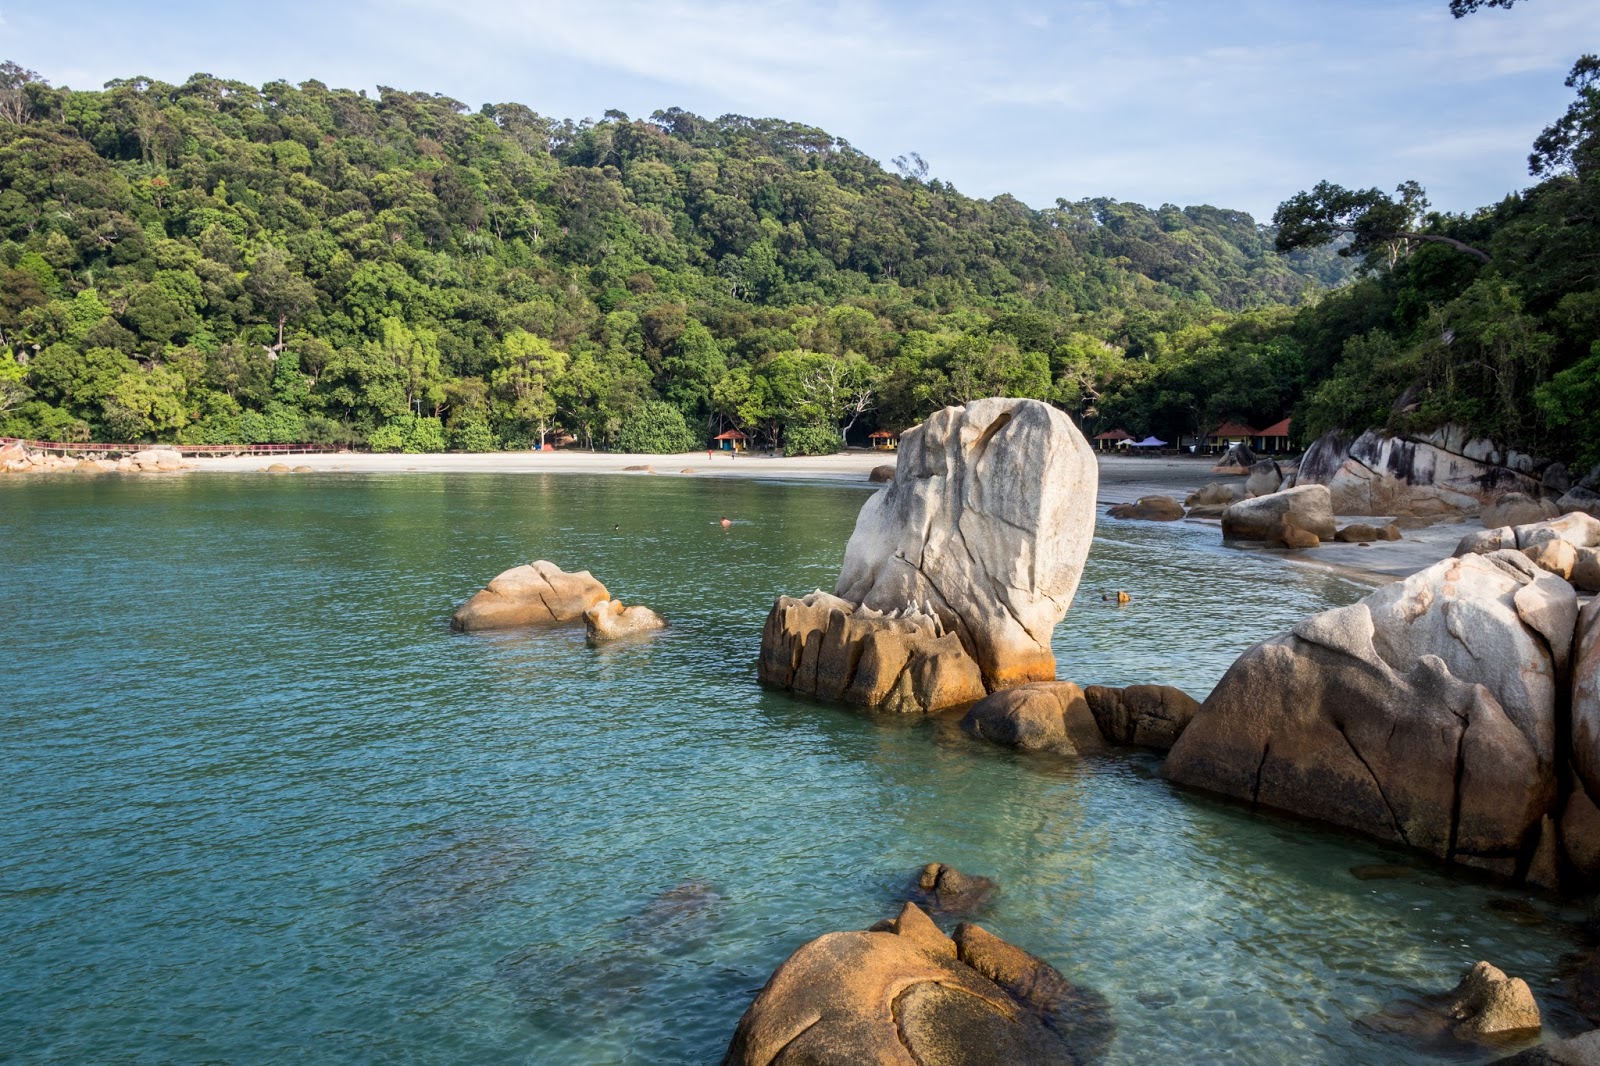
[(214, 262)]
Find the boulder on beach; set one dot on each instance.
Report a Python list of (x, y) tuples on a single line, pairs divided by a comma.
[(1424, 714), (1586, 699), (1556, 556), (1517, 509), (1217, 493), (1265, 478), (1145, 716), (1579, 498), (1236, 460), (1051, 716), (903, 992), (973, 550), (941, 889), (1291, 534), (1364, 533), (1442, 472), (609, 620), (1149, 509), (880, 474), (539, 593), (1262, 518)]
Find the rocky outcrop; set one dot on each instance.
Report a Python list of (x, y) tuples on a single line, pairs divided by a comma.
[(1425, 714), (903, 992), (1580, 499), (905, 664), (942, 889), (1236, 460), (1488, 1003), (880, 474), (1568, 547), (1146, 716), (16, 459), (1050, 716), (1516, 509), (536, 594), (1217, 493), (610, 620), (973, 551), (1586, 700), (1149, 509), (1443, 472), (1265, 478), (1362, 533), (1262, 518), (1290, 534)]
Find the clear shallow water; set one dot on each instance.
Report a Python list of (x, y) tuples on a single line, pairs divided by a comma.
[(261, 804)]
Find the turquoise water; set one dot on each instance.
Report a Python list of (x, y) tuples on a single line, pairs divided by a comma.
[(262, 805)]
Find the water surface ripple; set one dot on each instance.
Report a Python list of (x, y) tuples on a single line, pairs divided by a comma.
[(261, 803)]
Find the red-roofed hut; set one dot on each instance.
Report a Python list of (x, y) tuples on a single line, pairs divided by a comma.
[(731, 441), (883, 440), (1111, 437), (1275, 438)]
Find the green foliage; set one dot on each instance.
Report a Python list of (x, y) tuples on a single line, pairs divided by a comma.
[(657, 428), (811, 439), (472, 435), (1570, 401)]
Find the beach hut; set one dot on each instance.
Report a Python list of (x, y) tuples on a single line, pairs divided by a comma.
[(1275, 438), (1112, 438), (883, 440), (1148, 442), (1227, 435), (731, 441)]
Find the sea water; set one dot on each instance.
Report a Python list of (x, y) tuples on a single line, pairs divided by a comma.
[(263, 806)]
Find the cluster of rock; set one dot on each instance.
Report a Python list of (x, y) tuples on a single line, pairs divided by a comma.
[(542, 594), (1060, 718), (904, 992), (1443, 472), (1568, 547), (1432, 713), (15, 459), (958, 569)]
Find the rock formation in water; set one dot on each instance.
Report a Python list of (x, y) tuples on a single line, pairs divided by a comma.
[(958, 569), (1568, 547), (1262, 518), (1144, 716), (539, 593), (1149, 509), (1050, 716), (17, 459), (1363, 533), (609, 620), (1424, 714), (903, 992), (941, 889), (1443, 472)]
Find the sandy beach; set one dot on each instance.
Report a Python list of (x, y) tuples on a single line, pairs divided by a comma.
[(1122, 479)]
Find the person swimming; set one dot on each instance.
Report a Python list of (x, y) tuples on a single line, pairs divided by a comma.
[(726, 521)]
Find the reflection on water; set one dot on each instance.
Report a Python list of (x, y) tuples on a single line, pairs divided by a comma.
[(265, 804)]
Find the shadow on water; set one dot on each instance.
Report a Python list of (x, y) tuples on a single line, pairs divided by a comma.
[(450, 879)]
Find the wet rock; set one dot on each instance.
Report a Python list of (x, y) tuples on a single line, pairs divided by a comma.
[(1265, 478), (1262, 518), (904, 992), (942, 889), (609, 620), (1291, 535), (1578, 1051), (959, 568), (1050, 716), (1215, 494), (1149, 509), (539, 593), (1487, 1002), (1147, 716), (1207, 510), (1424, 714), (1381, 872), (1357, 533), (881, 474), (1517, 509), (1515, 911)]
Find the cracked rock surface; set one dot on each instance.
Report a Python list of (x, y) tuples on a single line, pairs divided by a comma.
[(973, 550), (1425, 714), (904, 994), (538, 593)]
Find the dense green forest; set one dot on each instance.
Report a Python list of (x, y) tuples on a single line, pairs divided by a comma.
[(214, 262)]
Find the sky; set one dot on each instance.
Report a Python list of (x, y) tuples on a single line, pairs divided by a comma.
[(1237, 104)]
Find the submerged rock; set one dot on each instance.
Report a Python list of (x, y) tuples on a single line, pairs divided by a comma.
[(539, 593), (942, 889), (1262, 518), (1424, 714), (903, 992), (609, 620), (972, 552), (1581, 1050), (1048, 716), (1149, 509), (1486, 1007), (1147, 716)]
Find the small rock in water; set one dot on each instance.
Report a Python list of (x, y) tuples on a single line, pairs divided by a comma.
[(1157, 1000), (1517, 911), (1485, 1007), (942, 889), (1380, 872)]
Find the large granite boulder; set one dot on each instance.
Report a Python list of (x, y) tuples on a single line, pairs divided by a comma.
[(1579, 498), (1517, 509), (610, 620), (904, 993), (975, 548), (828, 647), (539, 593), (1146, 716), (1424, 714), (1265, 478), (1586, 699), (1568, 546), (1216, 493), (1308, 506), (1236, 460), (1048, 716), (1443, 472)]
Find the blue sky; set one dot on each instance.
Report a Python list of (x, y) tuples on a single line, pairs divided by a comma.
[(1237, 104)]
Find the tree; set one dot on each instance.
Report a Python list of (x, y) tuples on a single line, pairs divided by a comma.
[(1572, 143), (657, 428), (1461, 8), (12, 389), (527, 371), (279, 292), (16, 99), (1372, 219)]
